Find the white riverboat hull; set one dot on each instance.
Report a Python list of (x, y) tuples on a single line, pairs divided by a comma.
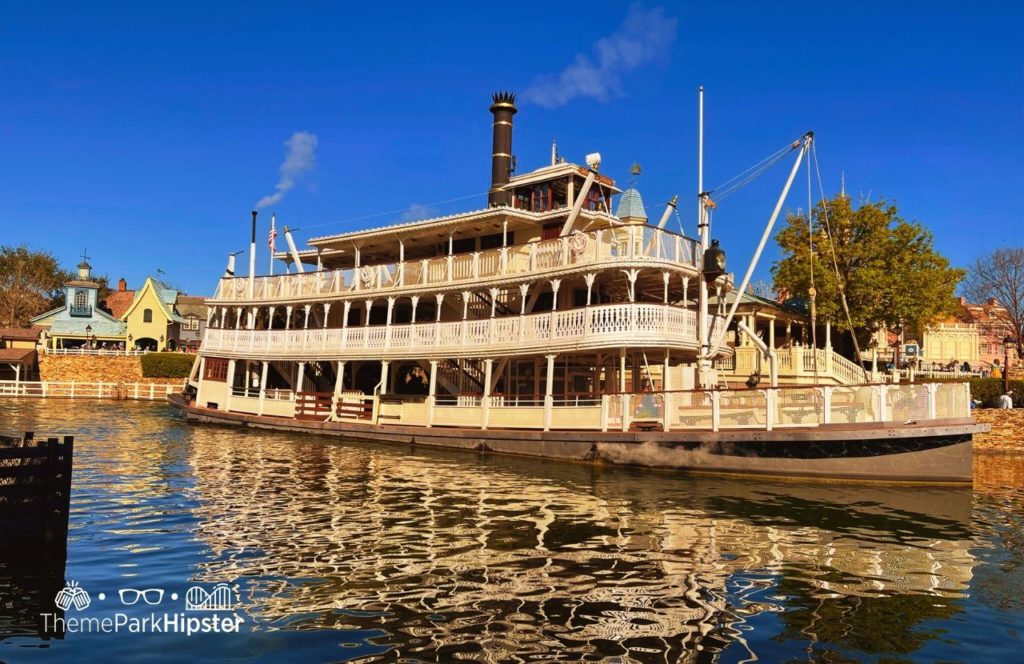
[(936, 452)]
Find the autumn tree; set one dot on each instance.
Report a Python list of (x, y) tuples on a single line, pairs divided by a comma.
[(30, 284), (1000, 275), (891, 273)]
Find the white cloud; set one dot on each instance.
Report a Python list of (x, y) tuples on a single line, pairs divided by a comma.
[(416, 212), (644, 36), (299, 158)]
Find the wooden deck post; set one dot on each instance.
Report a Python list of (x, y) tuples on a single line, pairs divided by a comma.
[(549, 387), (263, 386), (486, 405), (432, 395)]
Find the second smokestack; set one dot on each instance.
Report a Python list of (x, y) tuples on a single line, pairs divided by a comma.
[(503, 108)]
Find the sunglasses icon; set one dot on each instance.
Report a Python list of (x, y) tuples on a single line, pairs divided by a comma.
[(151, 596)]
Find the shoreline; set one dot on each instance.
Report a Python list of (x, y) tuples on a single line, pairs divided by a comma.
[(1006, 435)]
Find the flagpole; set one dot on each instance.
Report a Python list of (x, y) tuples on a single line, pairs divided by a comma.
[(273, 237)]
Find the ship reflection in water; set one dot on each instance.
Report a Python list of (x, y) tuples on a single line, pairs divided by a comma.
[(349, 551)]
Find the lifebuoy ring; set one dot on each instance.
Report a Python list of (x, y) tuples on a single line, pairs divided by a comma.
[(578, 244)]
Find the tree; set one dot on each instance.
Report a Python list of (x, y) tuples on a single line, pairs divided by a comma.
[(892, 275), (1000, 275), (30, 284)]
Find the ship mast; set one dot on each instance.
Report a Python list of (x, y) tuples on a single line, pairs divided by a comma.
[(703, 230)]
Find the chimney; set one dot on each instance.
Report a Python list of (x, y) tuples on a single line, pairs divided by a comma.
[(503, 108), (122, 285)]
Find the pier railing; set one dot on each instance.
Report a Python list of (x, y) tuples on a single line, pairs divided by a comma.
[(610, 245), (88, 389), (109, 352)]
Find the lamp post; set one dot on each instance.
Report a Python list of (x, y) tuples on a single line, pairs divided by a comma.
[(1007, 342)]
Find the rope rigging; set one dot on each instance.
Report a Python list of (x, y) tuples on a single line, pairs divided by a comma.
[(737, 182), (812, 291), (840, 284)]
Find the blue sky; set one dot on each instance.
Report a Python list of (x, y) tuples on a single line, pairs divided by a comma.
[(146, 132)]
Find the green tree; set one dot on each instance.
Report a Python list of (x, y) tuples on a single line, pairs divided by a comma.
[(30, 283), (892, 275)]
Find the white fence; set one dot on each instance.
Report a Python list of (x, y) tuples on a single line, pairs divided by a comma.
[(93, 351), (88, 390), (796, 407)]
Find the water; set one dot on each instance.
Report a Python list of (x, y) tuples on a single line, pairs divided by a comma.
[(343, 551)]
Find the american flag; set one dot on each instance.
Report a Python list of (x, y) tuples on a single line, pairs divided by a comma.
[(272, 236)]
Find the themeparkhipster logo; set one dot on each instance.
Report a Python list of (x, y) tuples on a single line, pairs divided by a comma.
[(205, 612)]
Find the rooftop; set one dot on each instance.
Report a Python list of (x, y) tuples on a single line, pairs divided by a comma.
[(20, 333), (631, 205)]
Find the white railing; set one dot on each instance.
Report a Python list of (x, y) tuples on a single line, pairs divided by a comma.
[(88, 389), (794, 363), (610, 245), (795, 407), (93, 351), (628, 324)]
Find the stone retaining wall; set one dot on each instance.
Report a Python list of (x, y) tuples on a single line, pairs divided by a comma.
[(93, 368), (1007, 433)]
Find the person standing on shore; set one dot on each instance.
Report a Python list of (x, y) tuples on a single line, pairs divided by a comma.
[(1006, 401)]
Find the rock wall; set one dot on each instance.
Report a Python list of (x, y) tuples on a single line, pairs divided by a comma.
[(92, 368), (1007, 433)]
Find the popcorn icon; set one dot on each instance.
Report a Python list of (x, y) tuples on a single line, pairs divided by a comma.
[(73, 595)]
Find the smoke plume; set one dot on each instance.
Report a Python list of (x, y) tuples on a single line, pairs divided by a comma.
[(644, 36), (299, 157)]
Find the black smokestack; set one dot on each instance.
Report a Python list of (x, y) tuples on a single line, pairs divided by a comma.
[(503, 108)]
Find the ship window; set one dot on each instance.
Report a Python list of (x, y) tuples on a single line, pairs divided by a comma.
[(464, 245), (492, 241), (551, 231), (542, 198), (426, 312), (216, 369), (147, 315), (593, 200), (523, 199)]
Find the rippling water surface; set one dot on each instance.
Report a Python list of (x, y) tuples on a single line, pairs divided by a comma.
[(347, 551)]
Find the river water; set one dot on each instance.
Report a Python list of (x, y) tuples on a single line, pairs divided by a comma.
[(338, 551)]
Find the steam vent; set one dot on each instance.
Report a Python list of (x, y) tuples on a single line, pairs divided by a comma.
[(503, 108)]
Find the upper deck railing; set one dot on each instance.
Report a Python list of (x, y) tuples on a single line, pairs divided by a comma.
[(657, 325), (609, 245)]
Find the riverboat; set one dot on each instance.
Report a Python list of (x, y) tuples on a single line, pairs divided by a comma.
[(545, 325)]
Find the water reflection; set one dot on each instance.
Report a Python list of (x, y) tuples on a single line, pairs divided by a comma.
[(444, 556)]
